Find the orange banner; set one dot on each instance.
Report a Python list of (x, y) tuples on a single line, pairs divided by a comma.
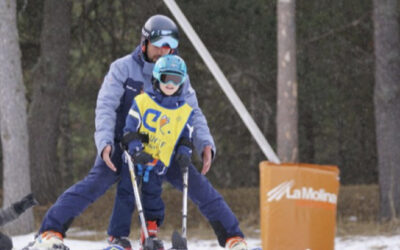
[(298, 206)]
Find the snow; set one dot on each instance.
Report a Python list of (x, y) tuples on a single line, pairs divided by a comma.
[(346, 243), (368, 242), (23, 240)]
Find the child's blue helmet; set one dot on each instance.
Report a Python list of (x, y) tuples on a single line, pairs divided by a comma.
[(170, 69)]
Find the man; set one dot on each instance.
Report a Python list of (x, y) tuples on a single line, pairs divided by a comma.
[(128, 76)]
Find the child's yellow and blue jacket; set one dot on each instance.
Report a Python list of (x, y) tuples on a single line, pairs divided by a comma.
[(165, 119)]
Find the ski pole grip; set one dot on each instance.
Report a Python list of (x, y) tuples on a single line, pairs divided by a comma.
[(25, 203), (130, 136)]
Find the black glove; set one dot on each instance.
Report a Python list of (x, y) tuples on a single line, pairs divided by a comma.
[(183, 161), (142, 158), (25, 203), (5, 242)]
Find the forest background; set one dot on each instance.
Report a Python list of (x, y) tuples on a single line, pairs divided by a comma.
[(335, 72)]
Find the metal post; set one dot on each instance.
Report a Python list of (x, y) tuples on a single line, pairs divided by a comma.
[(222, 81)]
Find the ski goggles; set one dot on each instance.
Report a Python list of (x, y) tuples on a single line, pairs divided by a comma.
[(161, 38), (175, 79)]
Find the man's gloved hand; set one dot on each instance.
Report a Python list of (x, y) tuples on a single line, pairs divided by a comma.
[(142, 158), (25, 203), (183, 157)]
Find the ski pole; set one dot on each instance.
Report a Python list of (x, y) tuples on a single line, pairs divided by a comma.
[(136, 193), (179, 242), (184, 200)]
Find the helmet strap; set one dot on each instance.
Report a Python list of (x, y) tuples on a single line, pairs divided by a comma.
[(156, 84)]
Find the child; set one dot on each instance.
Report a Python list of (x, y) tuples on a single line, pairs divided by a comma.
[(165, 118)]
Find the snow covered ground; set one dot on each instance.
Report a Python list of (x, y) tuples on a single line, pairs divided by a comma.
[(368, 242), (348, 243), (22, 240)]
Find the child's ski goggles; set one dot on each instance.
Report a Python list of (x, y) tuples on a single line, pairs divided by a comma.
[(161, 38), (171, 78)]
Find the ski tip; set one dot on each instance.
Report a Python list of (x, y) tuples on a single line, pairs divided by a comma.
[(113, 247), (178, 242)]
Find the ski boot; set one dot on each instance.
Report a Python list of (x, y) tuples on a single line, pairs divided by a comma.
[(120, 241), (236, 243), (156, 243), (47, 240)]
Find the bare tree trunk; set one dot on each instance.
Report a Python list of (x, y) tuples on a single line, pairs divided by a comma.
[(287, 135), (13, 120), (66, 157), (49, 88), (387, 105)]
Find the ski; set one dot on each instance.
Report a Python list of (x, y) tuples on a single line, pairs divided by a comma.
[(113, 247), (54, 247)]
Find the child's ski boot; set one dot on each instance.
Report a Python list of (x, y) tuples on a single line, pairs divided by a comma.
[(156, 243)]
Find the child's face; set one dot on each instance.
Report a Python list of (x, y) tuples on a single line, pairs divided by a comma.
[(168, 89)]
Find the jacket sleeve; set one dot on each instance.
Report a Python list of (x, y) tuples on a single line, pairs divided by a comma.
[(7, 215), (108, 101), (133, 120), (188, 130), (201, 134), (187, 135)]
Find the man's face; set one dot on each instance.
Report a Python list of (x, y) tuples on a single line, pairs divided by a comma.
[(153, 52)]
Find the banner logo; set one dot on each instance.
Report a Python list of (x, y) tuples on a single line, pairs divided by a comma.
[(286, 190)]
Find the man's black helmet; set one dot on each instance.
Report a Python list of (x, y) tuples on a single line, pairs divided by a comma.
[(160, 31)]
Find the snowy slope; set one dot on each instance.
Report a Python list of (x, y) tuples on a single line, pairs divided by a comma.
[(348, 243), (21, 241)]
